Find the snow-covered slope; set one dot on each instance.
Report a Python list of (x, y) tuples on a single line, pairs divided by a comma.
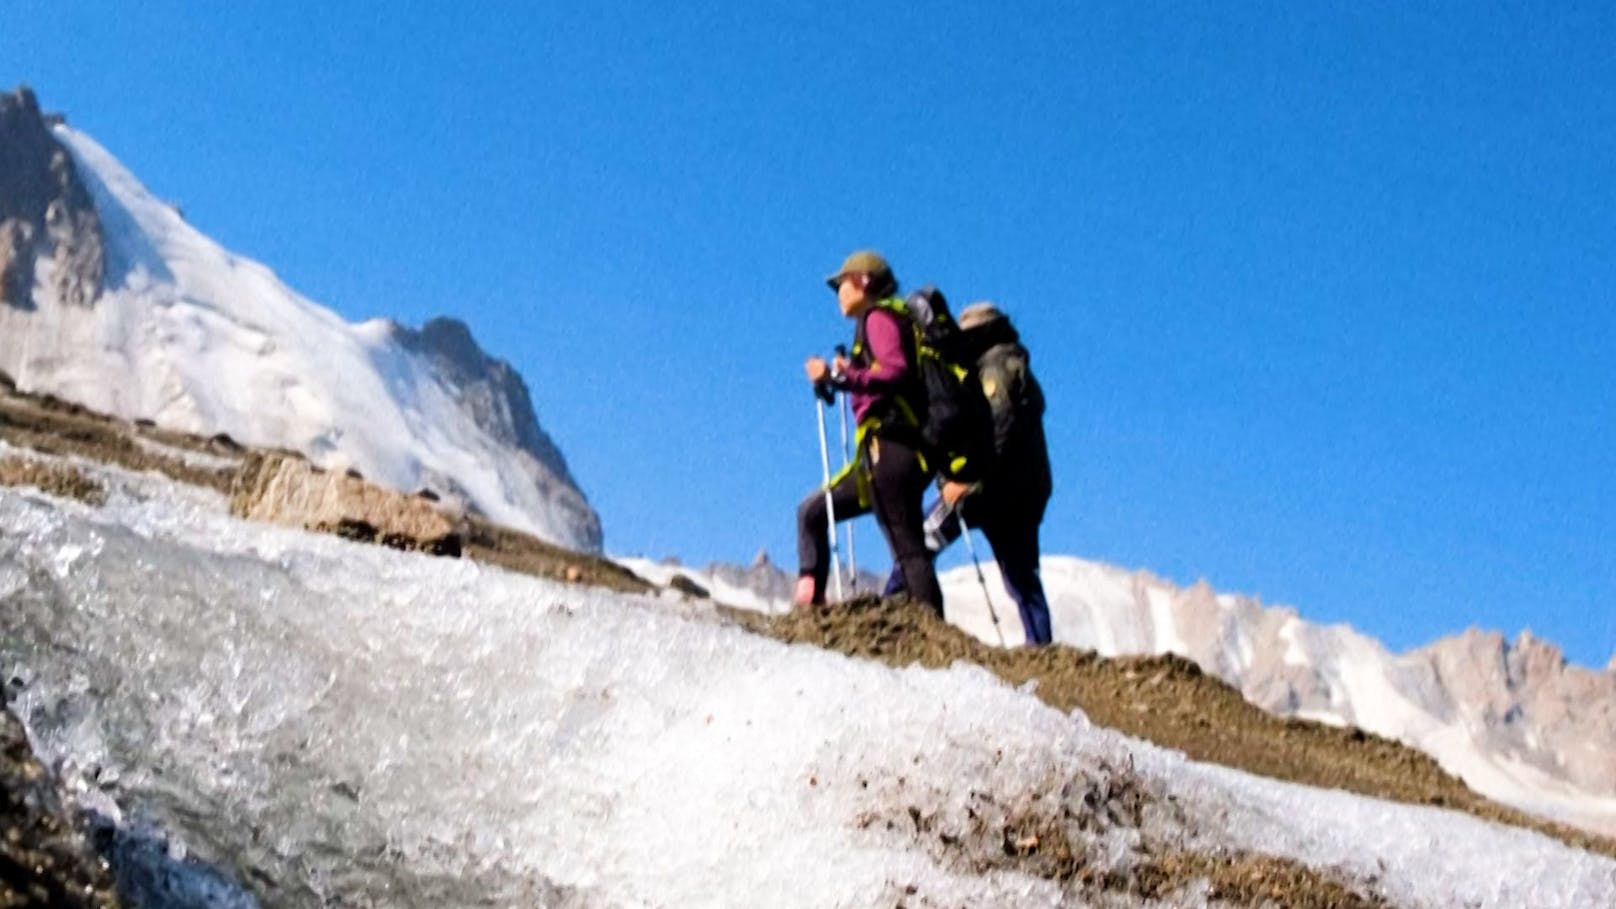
[(1511, 719), (193, 337), (363, 727)]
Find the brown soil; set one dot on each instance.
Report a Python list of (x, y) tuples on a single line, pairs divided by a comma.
[(52, 426), (1247, 879), (46, 860), (54, 477), (521, 552), (1056, 837), (1167, 700)]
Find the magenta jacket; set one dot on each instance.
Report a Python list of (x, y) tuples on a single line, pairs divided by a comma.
[(880, 373)]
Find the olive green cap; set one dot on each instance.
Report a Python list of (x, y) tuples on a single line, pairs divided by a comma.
[(863, 262), (978, 314)]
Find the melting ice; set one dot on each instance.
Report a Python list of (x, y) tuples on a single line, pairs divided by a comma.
[(339, 722)]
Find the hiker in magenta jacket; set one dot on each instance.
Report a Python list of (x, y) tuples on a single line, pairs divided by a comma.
[(888, 475), (888, 369)]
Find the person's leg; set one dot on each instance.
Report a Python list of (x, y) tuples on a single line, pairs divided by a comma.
[(1014, 539), (813, 534), (894, 582), (942, 527), (898, 487)]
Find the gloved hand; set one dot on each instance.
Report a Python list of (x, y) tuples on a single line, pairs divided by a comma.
[(826, 378)]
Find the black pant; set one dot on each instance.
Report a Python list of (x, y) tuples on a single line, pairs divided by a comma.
[(1011, 526), (896, 483), (1013, 534)]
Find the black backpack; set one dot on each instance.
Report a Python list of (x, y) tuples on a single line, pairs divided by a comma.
[(956, 423)]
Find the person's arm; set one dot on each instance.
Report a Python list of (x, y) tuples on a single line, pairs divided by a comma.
[(883, 336)]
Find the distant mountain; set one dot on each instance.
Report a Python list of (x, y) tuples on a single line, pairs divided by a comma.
[(1512, 718), (110, 299)]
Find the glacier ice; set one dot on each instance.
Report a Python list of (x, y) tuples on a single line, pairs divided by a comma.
[(338, 719)]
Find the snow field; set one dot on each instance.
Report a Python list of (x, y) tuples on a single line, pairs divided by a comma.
[(330, 713)]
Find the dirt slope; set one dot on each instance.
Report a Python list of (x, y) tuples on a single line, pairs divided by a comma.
[(1163, 699)]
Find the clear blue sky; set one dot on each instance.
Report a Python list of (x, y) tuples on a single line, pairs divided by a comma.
[(1321, 293)]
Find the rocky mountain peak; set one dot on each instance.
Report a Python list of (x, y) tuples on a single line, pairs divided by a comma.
[(1531, 657), (410, 410), (46, 214), (451, 338), (1522, 698), (493, 392)]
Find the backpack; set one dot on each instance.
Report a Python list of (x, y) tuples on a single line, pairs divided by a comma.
[(955, 421)]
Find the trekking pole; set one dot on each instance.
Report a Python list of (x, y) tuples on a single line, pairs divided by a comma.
[(847, 458), (965, 531), (823, 395)]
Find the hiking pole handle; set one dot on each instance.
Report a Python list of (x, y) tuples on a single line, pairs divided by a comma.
[(825, 389), (835, 365)]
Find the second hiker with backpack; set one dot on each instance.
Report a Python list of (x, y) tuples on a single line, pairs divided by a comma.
[(889, 472), (1008, 504)]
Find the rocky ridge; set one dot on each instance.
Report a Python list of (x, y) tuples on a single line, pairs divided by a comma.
[(270, 485), (499, 402), (285, 489), (772, 582), (1516, 700), (1529, 702), (48, 224), (1520, 699)]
